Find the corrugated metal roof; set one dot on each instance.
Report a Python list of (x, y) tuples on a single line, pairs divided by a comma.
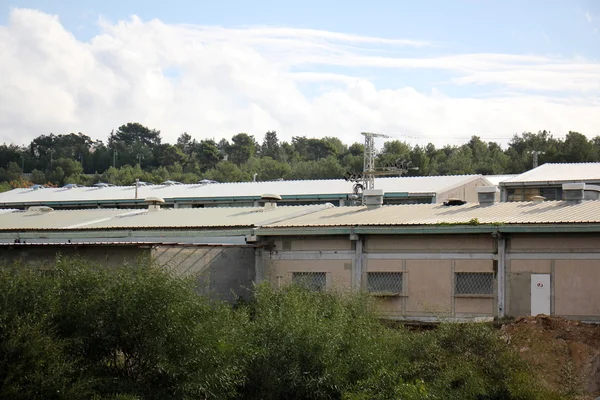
[(438, 214), (58, 219), (413, 185), (142, 218), (496, 179), (550, 172), (208, 217)]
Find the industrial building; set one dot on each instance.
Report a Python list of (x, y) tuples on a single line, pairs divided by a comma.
[(547, 180), (432, 261), (398, 190), (454, 260), (209, 244)]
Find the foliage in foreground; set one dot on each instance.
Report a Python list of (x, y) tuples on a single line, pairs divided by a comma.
[(82, 331)]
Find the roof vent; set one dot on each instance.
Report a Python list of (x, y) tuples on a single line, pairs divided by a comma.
[(270, 201), (574, 193), (592, 192), (154, 203), (40, 209), (454, 202), (486, 195), (537, 199), (373, 198)]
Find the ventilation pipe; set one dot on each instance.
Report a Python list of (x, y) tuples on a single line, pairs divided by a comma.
[(592, 192), (154, 203), (574, 193), (373, 198), (537, 199), (486, 195), (270, 201)]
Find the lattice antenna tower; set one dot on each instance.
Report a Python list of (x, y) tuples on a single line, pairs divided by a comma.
[(369, 163), (535, 154)]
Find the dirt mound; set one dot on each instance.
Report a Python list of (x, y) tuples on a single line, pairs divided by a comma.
[(565, 353)]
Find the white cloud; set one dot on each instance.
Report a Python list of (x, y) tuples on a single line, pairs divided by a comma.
[(215, 82)]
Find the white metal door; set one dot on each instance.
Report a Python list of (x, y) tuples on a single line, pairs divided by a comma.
[(540, 294)]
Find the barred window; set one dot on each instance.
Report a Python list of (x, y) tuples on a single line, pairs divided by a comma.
[(311, 280), (389, 283), (474, 283)]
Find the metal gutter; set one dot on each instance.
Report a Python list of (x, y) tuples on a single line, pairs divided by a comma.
[(192, 200), (518, 184), (428, 229), (123, 244), (125, 234)]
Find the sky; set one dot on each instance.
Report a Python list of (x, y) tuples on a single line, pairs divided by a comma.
[(429, 71)]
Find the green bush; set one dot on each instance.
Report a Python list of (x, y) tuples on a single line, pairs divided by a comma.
[(133, 330), (80, 331)]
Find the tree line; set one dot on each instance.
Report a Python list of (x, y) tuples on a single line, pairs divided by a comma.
[(134, 151), (75, 330)]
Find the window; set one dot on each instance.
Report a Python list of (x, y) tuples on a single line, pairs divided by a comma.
[(522, 194), (551, 193), (481, 283), (384, 283), (311, 280)]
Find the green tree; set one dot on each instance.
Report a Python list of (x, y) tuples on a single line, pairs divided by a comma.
[(242, 148), (270, 170), (208, 155), (226, 171), (172, 155), (577, 148), (134, 142), (270, 146)]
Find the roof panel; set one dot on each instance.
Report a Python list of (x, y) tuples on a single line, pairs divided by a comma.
[(142, 218), (438, 214), (565, 172), (59, 219), (496, 179), (414, 185)]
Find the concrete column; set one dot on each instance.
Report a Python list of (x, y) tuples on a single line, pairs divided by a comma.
[(501, 276), (261, 261), (342, 203), (357, 265)]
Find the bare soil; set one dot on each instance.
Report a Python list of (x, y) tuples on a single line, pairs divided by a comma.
[(564, 353)]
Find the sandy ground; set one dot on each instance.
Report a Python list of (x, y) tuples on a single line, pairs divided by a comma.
[(565, 353)]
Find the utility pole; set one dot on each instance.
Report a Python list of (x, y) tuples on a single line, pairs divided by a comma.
[(535, 154), (139, 157), (369, 161), (115, 158)]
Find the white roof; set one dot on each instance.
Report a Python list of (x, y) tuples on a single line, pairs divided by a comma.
[(249, 190), (496, 179), (558, 173), (548, 212), (105, 218)]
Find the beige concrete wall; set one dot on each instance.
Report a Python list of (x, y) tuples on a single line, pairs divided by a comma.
[(576, 288), (518, 284), (222, 273), (554, 243), (339, 272), (45, 256), (430, 243), (466, 192), (474, 304), (312, 243), (429, 287)]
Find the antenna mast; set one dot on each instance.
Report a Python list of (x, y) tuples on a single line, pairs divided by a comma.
[(536, 153), (369, 164), (366, 180)]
